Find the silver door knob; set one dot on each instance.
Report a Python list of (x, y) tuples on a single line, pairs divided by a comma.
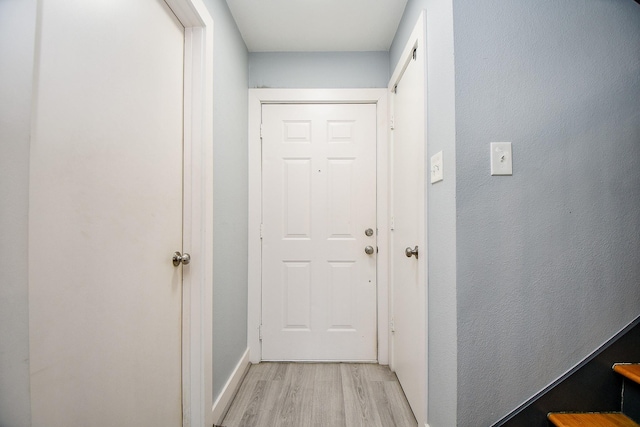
[(411, 252), (179, 258), (368, 250), (368, 232)]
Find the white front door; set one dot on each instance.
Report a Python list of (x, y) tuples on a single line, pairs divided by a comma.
[(106, 216), (409, 285), (319, 200)]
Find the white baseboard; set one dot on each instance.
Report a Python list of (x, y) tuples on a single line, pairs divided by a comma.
[(229, 390)]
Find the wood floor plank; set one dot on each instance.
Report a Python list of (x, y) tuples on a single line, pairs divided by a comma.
[(296, 397), (278, 371), (276, 394), (252, 407), (359, 405), (382, 403), (263, 406), (375, 372), (398, 405), (328, 408), (241, 400)]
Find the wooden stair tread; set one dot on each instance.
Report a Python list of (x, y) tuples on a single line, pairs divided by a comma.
[(629, 370), (596, 419)]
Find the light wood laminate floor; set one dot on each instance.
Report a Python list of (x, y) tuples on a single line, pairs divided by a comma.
[(319, 395)]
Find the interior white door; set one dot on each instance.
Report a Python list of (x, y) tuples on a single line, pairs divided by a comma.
[(319, 200), (106, 215), (409, 290)]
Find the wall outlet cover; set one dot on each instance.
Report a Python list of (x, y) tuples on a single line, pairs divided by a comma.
[(437, 174)]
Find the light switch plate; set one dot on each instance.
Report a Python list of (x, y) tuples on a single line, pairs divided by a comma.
[(501, 158), (436, 167)]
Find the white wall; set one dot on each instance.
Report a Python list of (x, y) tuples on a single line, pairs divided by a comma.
[(230, 192), (17, 38), (318, 69), (548, 259)]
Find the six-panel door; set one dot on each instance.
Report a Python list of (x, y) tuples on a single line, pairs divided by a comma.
[(319, 199)]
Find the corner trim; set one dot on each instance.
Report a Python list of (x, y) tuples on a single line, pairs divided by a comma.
[(221, 406)]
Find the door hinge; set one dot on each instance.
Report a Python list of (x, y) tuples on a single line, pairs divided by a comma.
[(392, 326), (392, 122), (261, 129), (260, 332), (261, 231), (392, 223), (415, 53)]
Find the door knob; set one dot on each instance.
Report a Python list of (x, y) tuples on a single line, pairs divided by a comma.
[(368, 250), (368, 232), (411, 252), (179, 258)]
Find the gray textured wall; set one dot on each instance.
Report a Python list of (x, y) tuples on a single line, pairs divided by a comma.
[(548, 259), (17, 38), (441, 204), (230, 194), (319, 70)]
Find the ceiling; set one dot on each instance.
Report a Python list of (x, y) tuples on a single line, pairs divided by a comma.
[(317, 25)]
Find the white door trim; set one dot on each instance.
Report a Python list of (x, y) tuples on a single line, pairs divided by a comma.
[(197, 324), (257, 97)]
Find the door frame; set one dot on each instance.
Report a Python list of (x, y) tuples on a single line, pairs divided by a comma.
[(258, 97), (197, 286)]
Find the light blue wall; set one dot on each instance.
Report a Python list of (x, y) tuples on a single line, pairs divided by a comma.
[(412, 11), (548, 260), (230, 193), (318, 70), (441, 204), (17, 41)]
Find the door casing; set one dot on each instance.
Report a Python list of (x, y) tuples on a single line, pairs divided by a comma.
[(197, 293), (258, 97)]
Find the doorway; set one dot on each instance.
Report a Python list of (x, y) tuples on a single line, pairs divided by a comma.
[(319, 232), (258, 98)]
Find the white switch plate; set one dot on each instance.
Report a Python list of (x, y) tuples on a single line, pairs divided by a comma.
[(501, 159), (436, 167)]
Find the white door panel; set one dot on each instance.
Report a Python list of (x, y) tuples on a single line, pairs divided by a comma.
[(409, 290), (319, 183), (106, 216)]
